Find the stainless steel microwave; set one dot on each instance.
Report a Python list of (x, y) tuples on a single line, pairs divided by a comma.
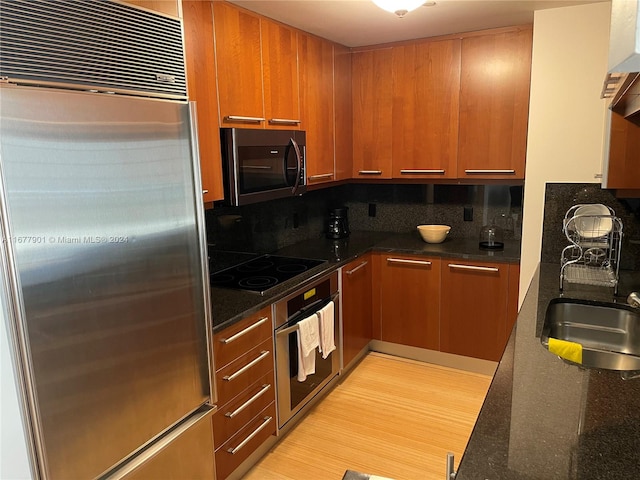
[(261, 165)]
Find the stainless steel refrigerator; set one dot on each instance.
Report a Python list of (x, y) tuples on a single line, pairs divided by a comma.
[(105, 279)]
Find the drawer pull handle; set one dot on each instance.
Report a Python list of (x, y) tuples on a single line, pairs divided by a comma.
[(318, 177), (248, 402), (354, 270), (233, 451), (473, 267), (245, 331), (205, 191), (409, 262), (263, 354), (283, 121), (490, 172), (370, 172), (238, 118), (422, 172)]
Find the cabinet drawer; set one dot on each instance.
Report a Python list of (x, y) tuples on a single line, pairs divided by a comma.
[(241, 445), (242, 372), (241, 337), (233, 416)]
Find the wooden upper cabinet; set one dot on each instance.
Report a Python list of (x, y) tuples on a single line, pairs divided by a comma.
[(494, 104), (343, 112), (623, 167), (280, 75), (168, 7), (201, 80), (316, 82), (238, 67), (372, 113), (426, 84)]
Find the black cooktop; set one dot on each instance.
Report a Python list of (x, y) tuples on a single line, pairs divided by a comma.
[(262, 273)]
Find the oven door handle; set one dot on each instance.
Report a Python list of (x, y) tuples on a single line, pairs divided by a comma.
[(291, 324)]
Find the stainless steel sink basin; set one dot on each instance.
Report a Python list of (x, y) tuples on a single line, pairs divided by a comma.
[(608, 332)]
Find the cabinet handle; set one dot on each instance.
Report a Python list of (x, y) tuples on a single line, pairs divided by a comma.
[(490, 172), (245, 331), (263, 354), (318, 177), (410, 262), (451, 473), (248, 402), (238, 118), (204, 192), (422, 172), (473, 267), (370, 172), (283, 121), (233, 451), (354, 270)]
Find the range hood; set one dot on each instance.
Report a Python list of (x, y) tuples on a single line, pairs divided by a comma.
[(624, 36), (622, 83)]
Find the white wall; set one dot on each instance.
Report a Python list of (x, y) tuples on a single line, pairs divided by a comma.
[(566, 114)]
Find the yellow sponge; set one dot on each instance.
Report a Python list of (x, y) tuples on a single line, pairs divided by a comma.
[(571, 351)]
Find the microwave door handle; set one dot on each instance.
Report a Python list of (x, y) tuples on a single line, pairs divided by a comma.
[(296, 148)]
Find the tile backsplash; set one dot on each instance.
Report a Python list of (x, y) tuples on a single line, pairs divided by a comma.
[(559, 197), (269, 226)]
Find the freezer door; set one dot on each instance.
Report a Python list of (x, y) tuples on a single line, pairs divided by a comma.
[(100, 217)]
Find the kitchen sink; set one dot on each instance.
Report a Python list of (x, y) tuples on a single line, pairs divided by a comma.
[(608, 334)]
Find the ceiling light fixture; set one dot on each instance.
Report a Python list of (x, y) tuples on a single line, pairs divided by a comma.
[(399, 7)]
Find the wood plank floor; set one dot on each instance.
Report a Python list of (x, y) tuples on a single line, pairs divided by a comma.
[(391, 417)]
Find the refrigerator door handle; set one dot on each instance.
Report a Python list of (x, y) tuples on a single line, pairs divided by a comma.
[(202, 239)]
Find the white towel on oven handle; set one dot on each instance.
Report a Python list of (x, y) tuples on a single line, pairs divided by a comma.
[(326, 317), (308, 341)]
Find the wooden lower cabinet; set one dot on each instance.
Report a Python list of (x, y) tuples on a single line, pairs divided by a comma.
[(246, 414), (357, 323), (232, 453), (475, 308), (409, 300)]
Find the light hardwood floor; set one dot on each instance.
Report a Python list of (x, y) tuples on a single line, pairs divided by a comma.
[(391, 417)]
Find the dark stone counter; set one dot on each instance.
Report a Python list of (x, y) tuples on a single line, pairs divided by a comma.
[(545, 419), (229, 306)]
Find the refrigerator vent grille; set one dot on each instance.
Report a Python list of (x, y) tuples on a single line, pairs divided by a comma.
[(92, 45)]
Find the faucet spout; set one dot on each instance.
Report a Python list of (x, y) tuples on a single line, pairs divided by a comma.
[(634, 299)]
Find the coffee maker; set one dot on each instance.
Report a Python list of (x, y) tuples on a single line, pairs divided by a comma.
[(338, 226)]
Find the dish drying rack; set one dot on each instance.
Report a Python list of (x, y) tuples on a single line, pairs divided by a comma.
[(593, 256)]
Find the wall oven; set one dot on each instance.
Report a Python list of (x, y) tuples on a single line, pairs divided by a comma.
[(261, 165), (294, 395)]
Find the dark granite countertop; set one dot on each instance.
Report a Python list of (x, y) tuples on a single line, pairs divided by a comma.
[(545, 419), (229, 306)]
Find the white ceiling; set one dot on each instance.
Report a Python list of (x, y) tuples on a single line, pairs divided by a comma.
[(359, 22)]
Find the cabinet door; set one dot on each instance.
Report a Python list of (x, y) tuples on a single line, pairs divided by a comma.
[(623, 170), (474, 304), (372, 110), (356, 307), (343, 112), (410, 300), (426, 85), (494, 104), (201, 81), (280, 75), (238, 67), (316, 81)]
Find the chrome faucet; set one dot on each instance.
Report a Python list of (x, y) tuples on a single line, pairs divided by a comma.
[(634, 299)]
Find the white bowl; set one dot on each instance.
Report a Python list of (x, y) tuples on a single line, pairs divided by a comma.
[(593, 221), (434, 233)]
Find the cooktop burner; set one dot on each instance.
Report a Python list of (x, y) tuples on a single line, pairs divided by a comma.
[(262, 273)]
